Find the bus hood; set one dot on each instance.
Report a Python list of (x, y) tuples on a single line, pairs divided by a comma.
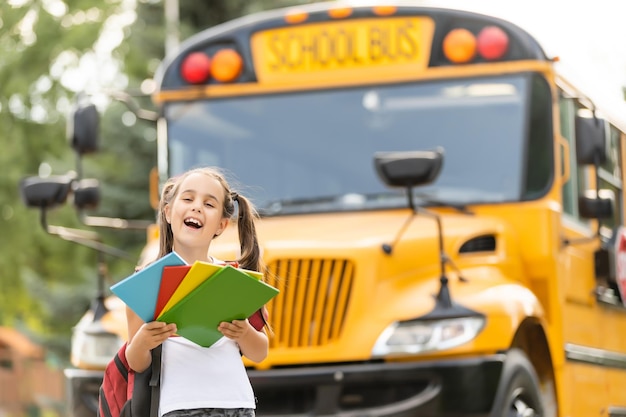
[(352, 233), (340, 288)]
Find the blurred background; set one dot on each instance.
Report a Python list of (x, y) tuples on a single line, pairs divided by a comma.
[(52, 52)]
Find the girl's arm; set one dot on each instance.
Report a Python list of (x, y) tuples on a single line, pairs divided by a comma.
[(142, 338), (253, 344)]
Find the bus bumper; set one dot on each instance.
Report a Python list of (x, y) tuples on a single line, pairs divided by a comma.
[(460, 387), (463, 387), (81, 392)]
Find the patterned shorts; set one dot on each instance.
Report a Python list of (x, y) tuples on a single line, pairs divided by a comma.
[(212, 412)]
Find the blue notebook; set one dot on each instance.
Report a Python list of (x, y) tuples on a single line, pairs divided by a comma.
[(141, 290)]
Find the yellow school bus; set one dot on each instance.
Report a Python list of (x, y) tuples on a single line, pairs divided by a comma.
[(441, 210)]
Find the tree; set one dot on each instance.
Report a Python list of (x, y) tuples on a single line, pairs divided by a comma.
[(52, 52), (42, 44)]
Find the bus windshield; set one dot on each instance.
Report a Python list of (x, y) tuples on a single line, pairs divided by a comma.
[(313, 150)]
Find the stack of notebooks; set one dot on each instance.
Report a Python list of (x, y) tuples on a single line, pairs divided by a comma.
[(196, 297)]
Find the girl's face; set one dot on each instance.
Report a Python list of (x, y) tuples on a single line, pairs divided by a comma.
[(195, 213)]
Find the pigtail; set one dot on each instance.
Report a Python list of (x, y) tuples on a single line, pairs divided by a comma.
[(250, 251), (166, 237), (248, 240)]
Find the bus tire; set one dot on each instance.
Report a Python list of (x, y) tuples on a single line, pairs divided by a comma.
[(518, 392)]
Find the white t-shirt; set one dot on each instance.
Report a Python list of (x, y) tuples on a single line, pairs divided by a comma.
[(193, 376)]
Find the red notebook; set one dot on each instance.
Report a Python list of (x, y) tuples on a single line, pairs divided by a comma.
[(170, 280)]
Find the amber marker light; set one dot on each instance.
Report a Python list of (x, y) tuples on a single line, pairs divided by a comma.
[(492, 43), (459, 46), (384, 10), (339, 12), (296, 16), (227, 65), (196, 68)]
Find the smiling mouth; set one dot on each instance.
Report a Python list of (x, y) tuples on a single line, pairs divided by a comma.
[(193, 223)]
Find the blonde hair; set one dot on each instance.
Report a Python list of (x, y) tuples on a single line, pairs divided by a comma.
[(247, 214)]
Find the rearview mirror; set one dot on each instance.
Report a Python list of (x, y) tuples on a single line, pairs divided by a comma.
[(87, 194), (590, 139), (48, 192), (83, 129), (600, 206), (410, 168)]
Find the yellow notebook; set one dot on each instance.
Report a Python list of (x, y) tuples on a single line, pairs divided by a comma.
[(229, 294), (198, 272)]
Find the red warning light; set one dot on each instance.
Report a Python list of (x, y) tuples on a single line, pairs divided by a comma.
[(196, 68), (492, 43)]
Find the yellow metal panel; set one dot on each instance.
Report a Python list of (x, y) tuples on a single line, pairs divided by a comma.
[(330, 300), (301, 280), (277, 306), (342, 300), (309, 305), (376, 76), (319, 304)]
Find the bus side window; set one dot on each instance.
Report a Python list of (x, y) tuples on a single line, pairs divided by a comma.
[(577, 182), (540, 152), (610, 174)]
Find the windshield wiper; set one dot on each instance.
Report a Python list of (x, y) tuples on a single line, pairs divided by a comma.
[(278, 206), (342, 202), (350, 201), (461, 208)]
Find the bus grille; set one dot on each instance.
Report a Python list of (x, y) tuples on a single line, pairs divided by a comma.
[(314, 297)]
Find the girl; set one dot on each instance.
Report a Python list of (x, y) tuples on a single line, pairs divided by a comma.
[(196, 207)]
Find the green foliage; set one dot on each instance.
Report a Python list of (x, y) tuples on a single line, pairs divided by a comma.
[(35, 46), (145, 44), (123, 167), (46, 282)]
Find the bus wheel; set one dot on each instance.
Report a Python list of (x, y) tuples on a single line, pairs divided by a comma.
[(518, 394)]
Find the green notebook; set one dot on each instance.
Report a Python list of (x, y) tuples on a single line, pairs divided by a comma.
[(229, 294)]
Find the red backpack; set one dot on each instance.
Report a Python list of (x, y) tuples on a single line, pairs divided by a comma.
[(126, 393)]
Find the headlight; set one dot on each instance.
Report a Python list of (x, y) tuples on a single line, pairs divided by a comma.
[(93, 346), (418, 336)]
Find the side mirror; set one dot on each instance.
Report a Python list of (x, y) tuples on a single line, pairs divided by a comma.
[(596, 206), (48, 192), (408, 169), (590, 139), (87, 194), (83, 129)]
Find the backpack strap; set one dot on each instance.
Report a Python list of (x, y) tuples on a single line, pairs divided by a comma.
[(258, 319), (155, 380)]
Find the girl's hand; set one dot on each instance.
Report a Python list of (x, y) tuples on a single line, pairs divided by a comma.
[(253, 344), (142, 338), (235, 330), (152, 334)]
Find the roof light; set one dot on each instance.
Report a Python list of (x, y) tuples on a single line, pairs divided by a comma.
[(227, 65), (493, 43), (384, 10), (339, 12), (196, 68), (459, 46), (296, 16)]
